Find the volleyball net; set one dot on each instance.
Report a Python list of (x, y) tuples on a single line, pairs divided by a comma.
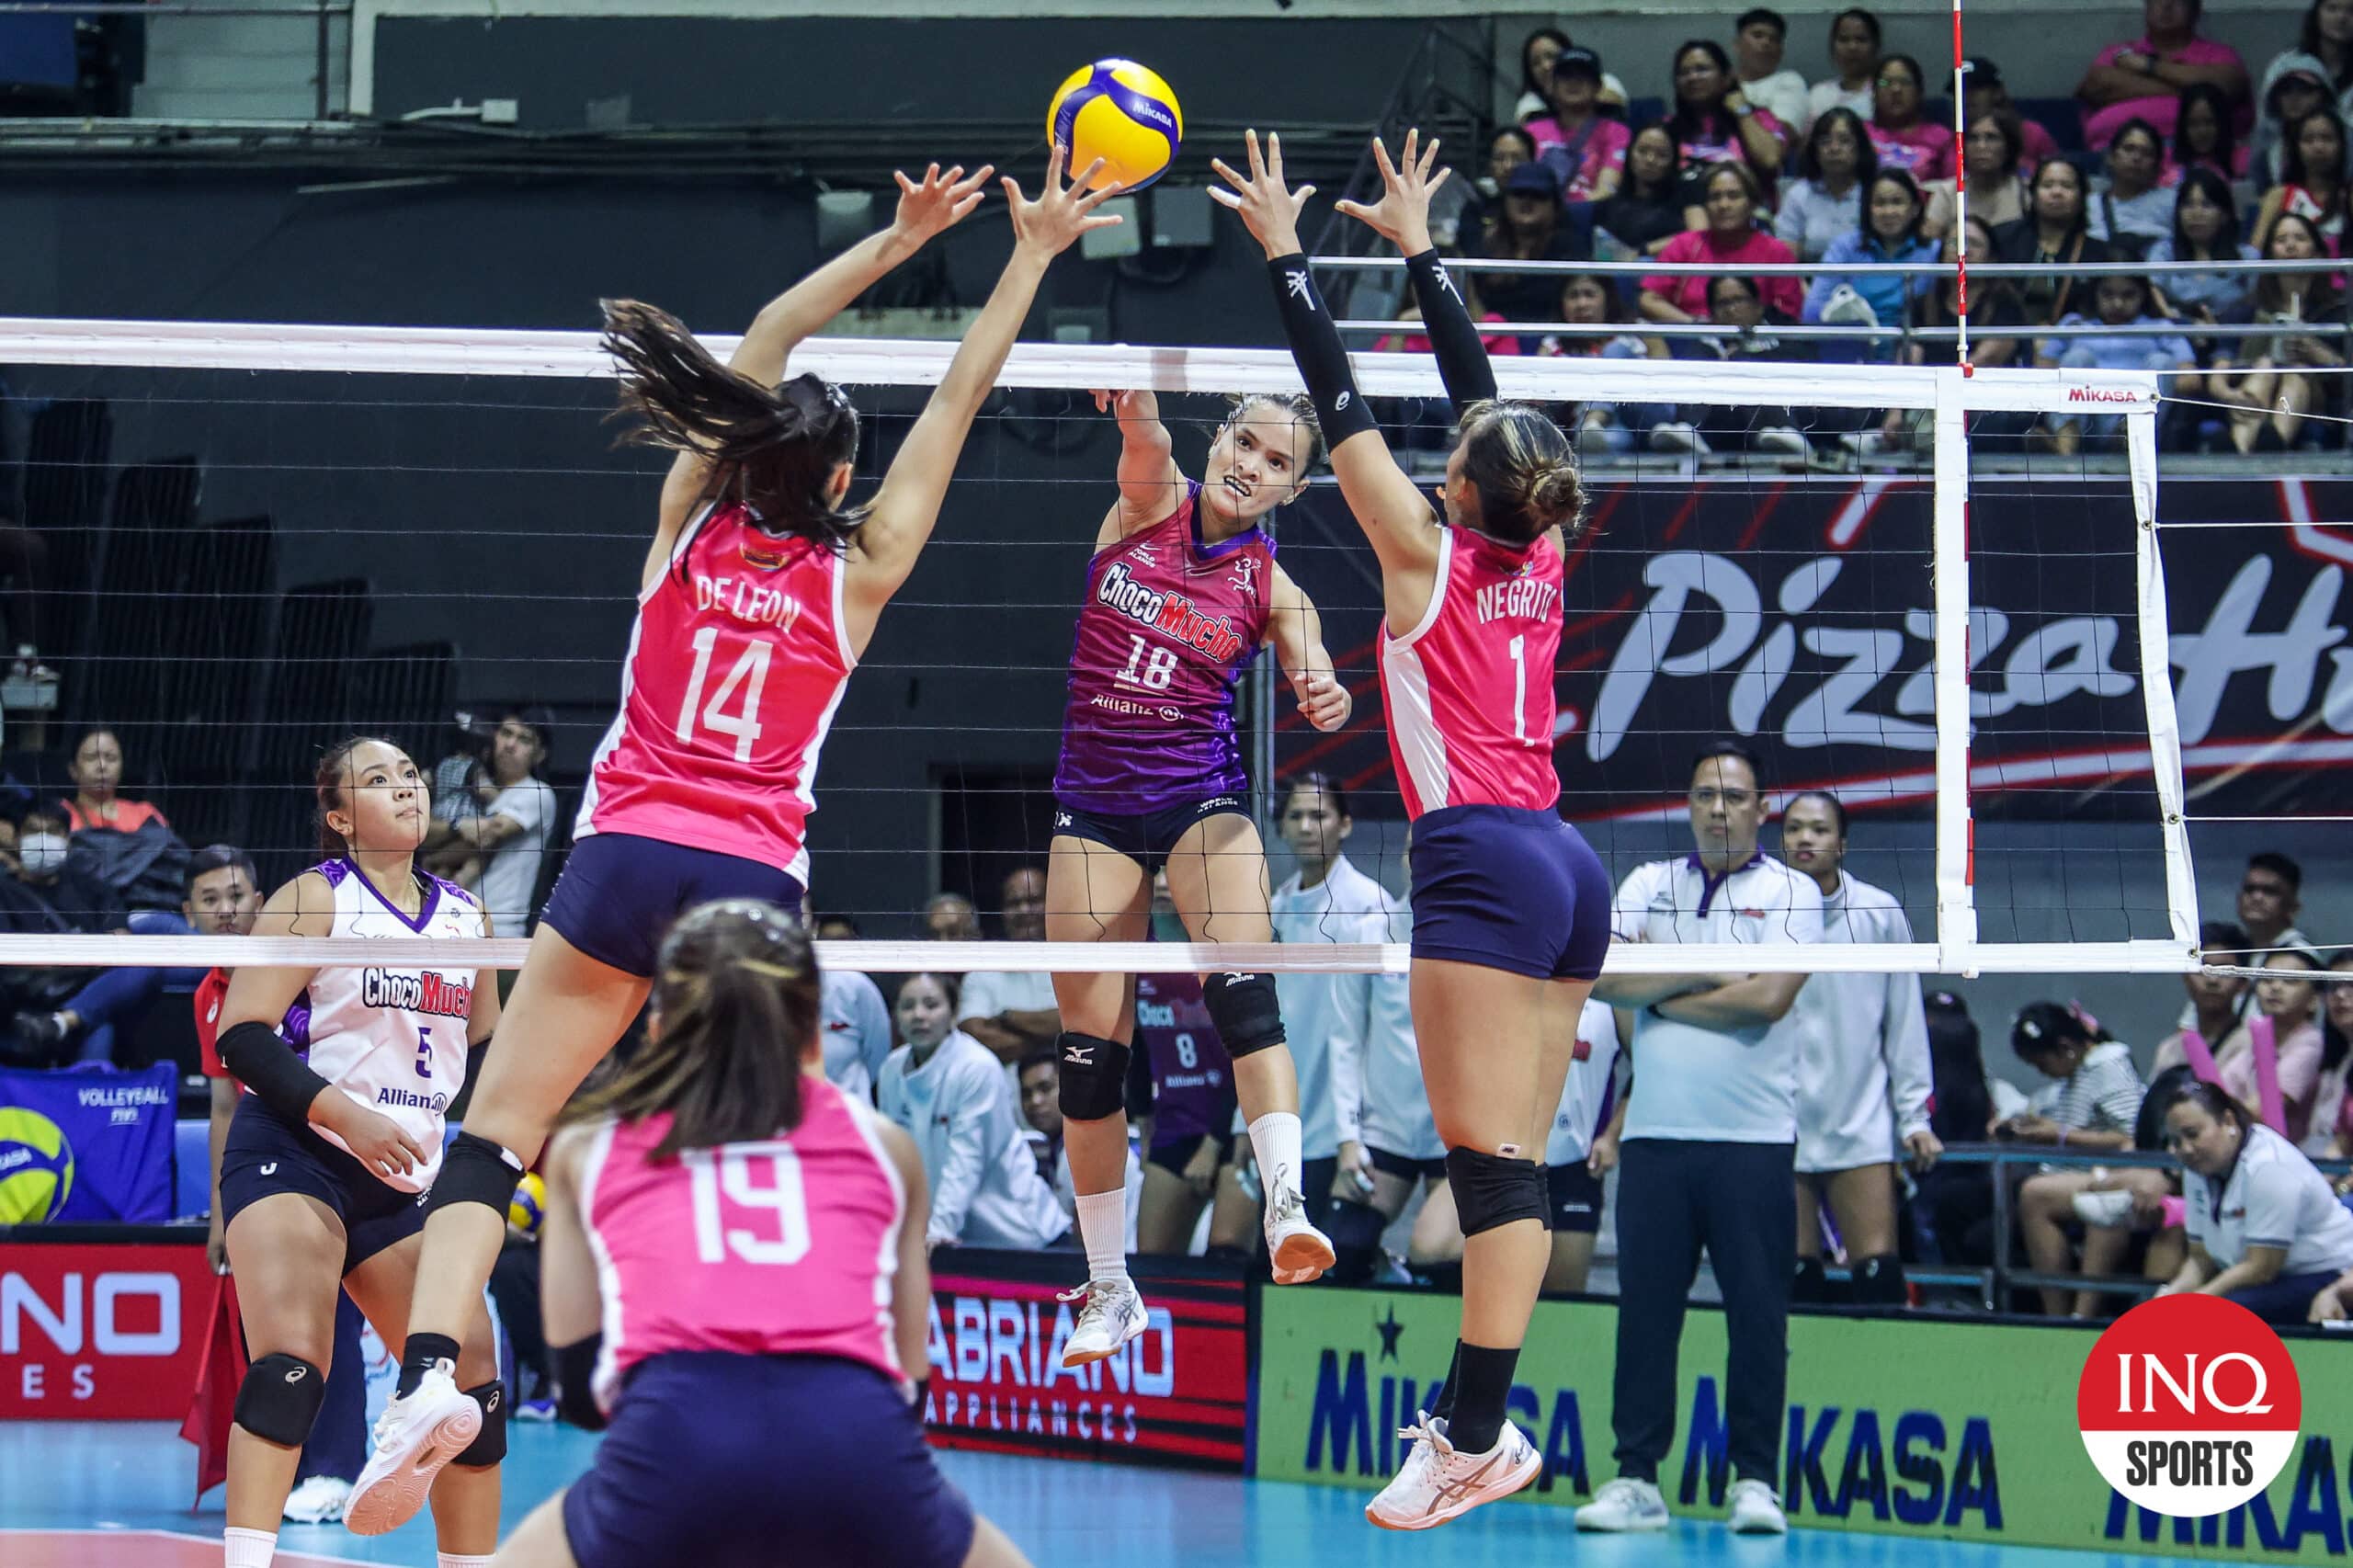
[(252, 540)]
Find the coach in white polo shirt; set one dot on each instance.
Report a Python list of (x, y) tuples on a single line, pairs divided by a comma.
[(1707, 1158)]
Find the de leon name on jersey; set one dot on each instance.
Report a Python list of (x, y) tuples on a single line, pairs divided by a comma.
[(410, 992)]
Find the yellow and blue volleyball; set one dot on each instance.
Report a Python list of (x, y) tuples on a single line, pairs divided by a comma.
[(36, 1168), (1123, 113), (530, 1205)]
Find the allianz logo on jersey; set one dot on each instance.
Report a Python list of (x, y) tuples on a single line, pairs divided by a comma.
[(1174, 614), (437, 1104), (413, 993)]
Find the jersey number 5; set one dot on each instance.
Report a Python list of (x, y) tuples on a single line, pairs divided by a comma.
[(750, 672), (733, 1174)]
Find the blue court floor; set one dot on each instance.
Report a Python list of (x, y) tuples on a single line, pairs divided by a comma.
[(116, 1496)]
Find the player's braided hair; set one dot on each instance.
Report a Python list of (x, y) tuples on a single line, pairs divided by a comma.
[(1524, 470), (735, 1010), (773, 448)]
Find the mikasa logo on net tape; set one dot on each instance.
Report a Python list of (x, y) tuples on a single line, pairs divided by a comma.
[(2190, 1405), (2108, 394)]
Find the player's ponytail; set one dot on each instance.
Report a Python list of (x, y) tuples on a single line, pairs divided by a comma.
[(736, 1013), (775, 450), (1524, 470)]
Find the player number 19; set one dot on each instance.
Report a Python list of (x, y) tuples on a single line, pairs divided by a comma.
[(732, 1172), (750, 672)]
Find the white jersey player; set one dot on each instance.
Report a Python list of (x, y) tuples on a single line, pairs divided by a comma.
[(1864, 1079)]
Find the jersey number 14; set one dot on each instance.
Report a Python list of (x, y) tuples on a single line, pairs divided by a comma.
[(746, 678)]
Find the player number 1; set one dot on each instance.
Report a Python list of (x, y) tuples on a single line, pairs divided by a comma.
[(750, 672), (1519, 687)]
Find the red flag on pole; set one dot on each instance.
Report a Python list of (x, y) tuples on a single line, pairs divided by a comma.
[(211, 1409)]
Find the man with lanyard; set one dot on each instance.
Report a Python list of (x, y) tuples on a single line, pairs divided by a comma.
[(1706, 1157)]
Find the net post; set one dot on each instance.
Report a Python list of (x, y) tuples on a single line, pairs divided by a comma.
[(2157, 673), (1949, 569)]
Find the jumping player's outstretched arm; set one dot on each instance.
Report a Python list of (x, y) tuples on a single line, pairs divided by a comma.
[(1298, 631), (926, 208), (908, 506), (1150, 484), (1394, 514)]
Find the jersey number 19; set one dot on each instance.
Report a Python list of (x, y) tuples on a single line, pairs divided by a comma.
[(729, 1173)]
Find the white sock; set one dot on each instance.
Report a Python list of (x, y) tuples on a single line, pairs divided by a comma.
[(1103, 1226), (248, 1549), (451, 1559), (1274, 1138)]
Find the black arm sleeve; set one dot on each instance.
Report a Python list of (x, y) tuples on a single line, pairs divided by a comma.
[(254, 1056), (1454, 337), (576, 1369), (1316, 346)]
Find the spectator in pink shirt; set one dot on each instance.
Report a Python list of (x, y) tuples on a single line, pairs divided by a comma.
[(1714, 121), (1584, 147), (2143, 79), (1905, 138), (1730, 242)]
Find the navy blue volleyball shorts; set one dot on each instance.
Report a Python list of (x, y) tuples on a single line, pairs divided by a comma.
[(264, 1156), (720, 1460), (619, 893), (1508, 888)]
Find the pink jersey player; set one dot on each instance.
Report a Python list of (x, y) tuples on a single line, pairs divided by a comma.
[(734, 1249), (1469, 690), (736, 664), (689, 1246), (761, 586), (1511, 906)]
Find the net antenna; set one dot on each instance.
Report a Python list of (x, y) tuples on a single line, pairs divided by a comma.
[(1960, 70), (367, 360)]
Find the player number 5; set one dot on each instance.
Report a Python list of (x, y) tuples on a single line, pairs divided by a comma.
[(750, 672)]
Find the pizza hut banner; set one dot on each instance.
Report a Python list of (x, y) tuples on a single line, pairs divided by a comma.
[(1796, 613)]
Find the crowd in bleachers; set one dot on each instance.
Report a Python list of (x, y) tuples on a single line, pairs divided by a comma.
[(2172, 152)]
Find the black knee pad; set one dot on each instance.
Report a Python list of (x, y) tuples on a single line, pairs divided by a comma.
[(1878, 1281), (1809, 1287), (475, 1170), (490, 1444), (279, 1399), (1355, 1230), (1093, 1076), (1492, 1190), (1244, 1008)]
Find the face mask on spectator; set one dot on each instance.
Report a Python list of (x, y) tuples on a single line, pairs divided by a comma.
[(42, 853)]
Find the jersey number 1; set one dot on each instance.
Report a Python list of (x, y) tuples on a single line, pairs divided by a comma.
[(750, 672), (1519, 688), (730, 1172)]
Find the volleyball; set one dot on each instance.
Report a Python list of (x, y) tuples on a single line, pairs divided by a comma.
[(36, 1168), (530, 1204), (1123, 113)]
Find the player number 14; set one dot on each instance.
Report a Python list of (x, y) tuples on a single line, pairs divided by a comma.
[(750, 672)]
